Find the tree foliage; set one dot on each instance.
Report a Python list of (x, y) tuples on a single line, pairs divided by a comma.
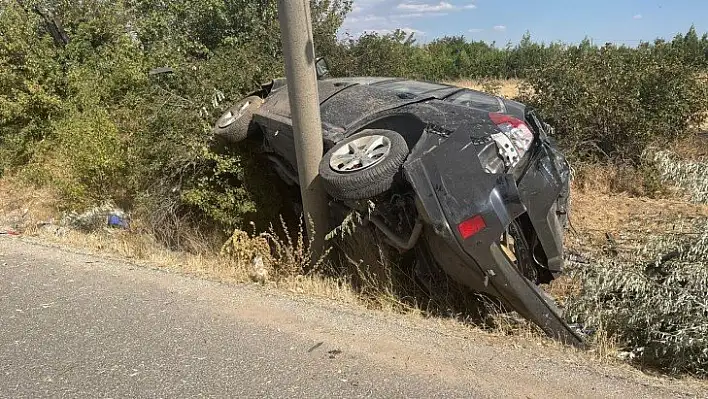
[(454, 57), (657, 309), (74, 77), (84, 115), (607, 102), (610, 103)]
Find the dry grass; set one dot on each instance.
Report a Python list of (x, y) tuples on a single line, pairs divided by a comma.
[(704, 126), (144, 250), (505, 88), (618, 226), (612, 179), (35, 213), (627, 219), (371, 276), (370, 269), (24, 205)]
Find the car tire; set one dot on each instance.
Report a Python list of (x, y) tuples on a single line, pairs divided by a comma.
[(387, 150), (236, 124)]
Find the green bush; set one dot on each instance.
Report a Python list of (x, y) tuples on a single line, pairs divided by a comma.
[(657, 310), (89, 159), (86, 117), (446, 58), (31, 86), (655, 306), (612, 102), (688, 175)]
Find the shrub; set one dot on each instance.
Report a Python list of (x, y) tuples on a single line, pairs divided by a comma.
[(689, 175), (613, 102), (89, 162), (656, 310), (85, 115), (31, 85), (655, 306)]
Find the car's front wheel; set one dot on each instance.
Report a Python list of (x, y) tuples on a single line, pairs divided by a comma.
[(236, 124), (363, 165)]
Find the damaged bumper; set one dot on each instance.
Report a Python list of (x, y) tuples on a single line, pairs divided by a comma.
[(449, 195)]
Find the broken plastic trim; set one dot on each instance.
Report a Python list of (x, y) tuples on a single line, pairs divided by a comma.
[(506, 149), (395, 239), (392, 238)]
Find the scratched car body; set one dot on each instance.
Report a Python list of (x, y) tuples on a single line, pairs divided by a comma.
[(483, 190)]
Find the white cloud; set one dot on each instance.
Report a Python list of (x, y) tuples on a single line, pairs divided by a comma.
[(500, 28), (638, 16), (361, 6), (368, 18), (384, 16), (408, 31), (420, 15), (475, 30), (421, 7), (416, 7)]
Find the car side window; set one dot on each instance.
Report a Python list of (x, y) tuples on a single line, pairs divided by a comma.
[(476, 99)]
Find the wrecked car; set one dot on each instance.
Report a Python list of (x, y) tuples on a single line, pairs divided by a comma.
[(484, 187)]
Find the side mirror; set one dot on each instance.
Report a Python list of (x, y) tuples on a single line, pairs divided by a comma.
[(322, 68)]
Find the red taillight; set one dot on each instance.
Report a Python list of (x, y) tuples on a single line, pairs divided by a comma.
[(471, 226), (501, 119)]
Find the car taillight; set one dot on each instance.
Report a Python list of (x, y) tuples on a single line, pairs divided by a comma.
[(471, 226), (517, 131)]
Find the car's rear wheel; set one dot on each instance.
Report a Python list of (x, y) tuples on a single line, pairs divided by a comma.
[(364, 165), (236, 124)]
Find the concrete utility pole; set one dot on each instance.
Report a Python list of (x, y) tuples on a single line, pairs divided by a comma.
[(299, 51)]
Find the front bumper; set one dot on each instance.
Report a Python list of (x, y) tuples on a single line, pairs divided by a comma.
[(452, 186)]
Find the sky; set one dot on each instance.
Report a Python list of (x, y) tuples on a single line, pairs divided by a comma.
[(503, 21)]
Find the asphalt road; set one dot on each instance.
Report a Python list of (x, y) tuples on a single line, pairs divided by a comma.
[(75, 325)]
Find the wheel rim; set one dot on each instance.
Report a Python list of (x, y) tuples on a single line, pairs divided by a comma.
[(230, 116), (360, 153)]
